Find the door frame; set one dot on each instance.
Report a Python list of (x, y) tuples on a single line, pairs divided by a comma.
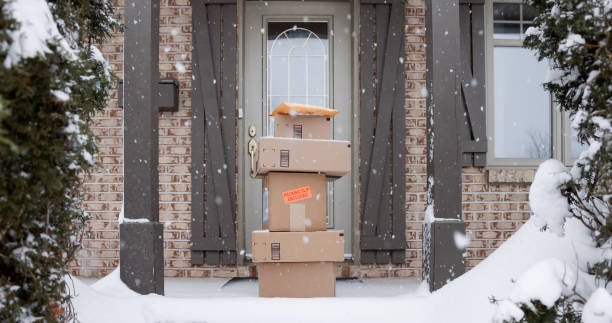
[(241, 135)]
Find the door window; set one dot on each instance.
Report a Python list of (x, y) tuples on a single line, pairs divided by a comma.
[(298, 56)]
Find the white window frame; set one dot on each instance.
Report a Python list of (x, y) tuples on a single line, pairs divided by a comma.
[(560, 125)]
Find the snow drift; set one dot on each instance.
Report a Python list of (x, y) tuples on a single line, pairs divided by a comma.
[(467, 299)]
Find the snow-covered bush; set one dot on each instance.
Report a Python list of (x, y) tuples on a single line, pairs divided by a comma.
[(575, 37), (52, 81), (543, 293), (549, 206), (598, 309)]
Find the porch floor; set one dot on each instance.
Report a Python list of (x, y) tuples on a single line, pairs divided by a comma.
[(247, 287)]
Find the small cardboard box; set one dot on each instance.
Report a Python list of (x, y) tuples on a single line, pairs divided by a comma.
[(301, 279), (294, 202), (298, 246), (302, 126), (329, 157)]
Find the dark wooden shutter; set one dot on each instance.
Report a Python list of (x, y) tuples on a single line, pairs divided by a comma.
[(472, 114), (382, 137), (213, 132)]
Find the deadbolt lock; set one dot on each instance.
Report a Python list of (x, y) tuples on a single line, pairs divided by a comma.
[(252, 131)]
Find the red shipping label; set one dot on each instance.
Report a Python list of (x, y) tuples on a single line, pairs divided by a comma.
[(297, 194)]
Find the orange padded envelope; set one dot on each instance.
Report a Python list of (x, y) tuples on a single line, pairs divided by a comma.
[(294, 108)]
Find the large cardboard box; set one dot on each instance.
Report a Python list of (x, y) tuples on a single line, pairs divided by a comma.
[(298, 246), (329, 157), (302, 126), (294, 202), (302, 279)]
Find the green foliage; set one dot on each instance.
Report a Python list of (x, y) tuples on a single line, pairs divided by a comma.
[(561, 312), (603, 270), (45, 143), (575, 37)]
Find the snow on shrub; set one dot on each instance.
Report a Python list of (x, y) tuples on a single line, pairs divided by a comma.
[(549, 206), (542, 285), (598, 309), (36, 28), (545, 282)]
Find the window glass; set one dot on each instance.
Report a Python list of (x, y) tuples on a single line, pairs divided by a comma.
[(522, 116), (507, 18), (298, 59), (507, 30), (529, 13), (511, 20), (507, 11), (575, 146)]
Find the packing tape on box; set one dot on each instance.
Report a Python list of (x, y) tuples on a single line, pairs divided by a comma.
[(265, 210), (297, 217)]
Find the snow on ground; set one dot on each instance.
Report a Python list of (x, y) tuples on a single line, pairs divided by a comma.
[(96, 303), (464, 300)]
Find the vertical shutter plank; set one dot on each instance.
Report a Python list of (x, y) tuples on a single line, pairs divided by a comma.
[(229, 119), (382, 27), (399, 166), (478, 61), (464, 126), (366, 32), (197, 146), (213, 15)]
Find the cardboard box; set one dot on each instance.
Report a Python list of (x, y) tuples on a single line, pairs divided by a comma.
[(329, 157), (302, 279), (302, 126), (294, 202), (298, 246)]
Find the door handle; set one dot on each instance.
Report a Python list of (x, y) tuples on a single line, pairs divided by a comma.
[(252, 147)]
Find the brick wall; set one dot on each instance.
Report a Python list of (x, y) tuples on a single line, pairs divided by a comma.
[(495, 204), (494, 201)]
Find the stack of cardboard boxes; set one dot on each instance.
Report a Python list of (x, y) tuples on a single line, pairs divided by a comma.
[(295, 252)]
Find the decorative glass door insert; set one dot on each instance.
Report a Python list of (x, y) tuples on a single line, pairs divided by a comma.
[(297, 63), (298, 56)]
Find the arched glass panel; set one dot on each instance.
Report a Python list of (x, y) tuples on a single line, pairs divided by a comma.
[(297, 63)]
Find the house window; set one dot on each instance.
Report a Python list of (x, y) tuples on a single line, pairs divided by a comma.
[(524, 125)]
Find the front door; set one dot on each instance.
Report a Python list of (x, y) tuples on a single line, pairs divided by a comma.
[(297, 52)]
